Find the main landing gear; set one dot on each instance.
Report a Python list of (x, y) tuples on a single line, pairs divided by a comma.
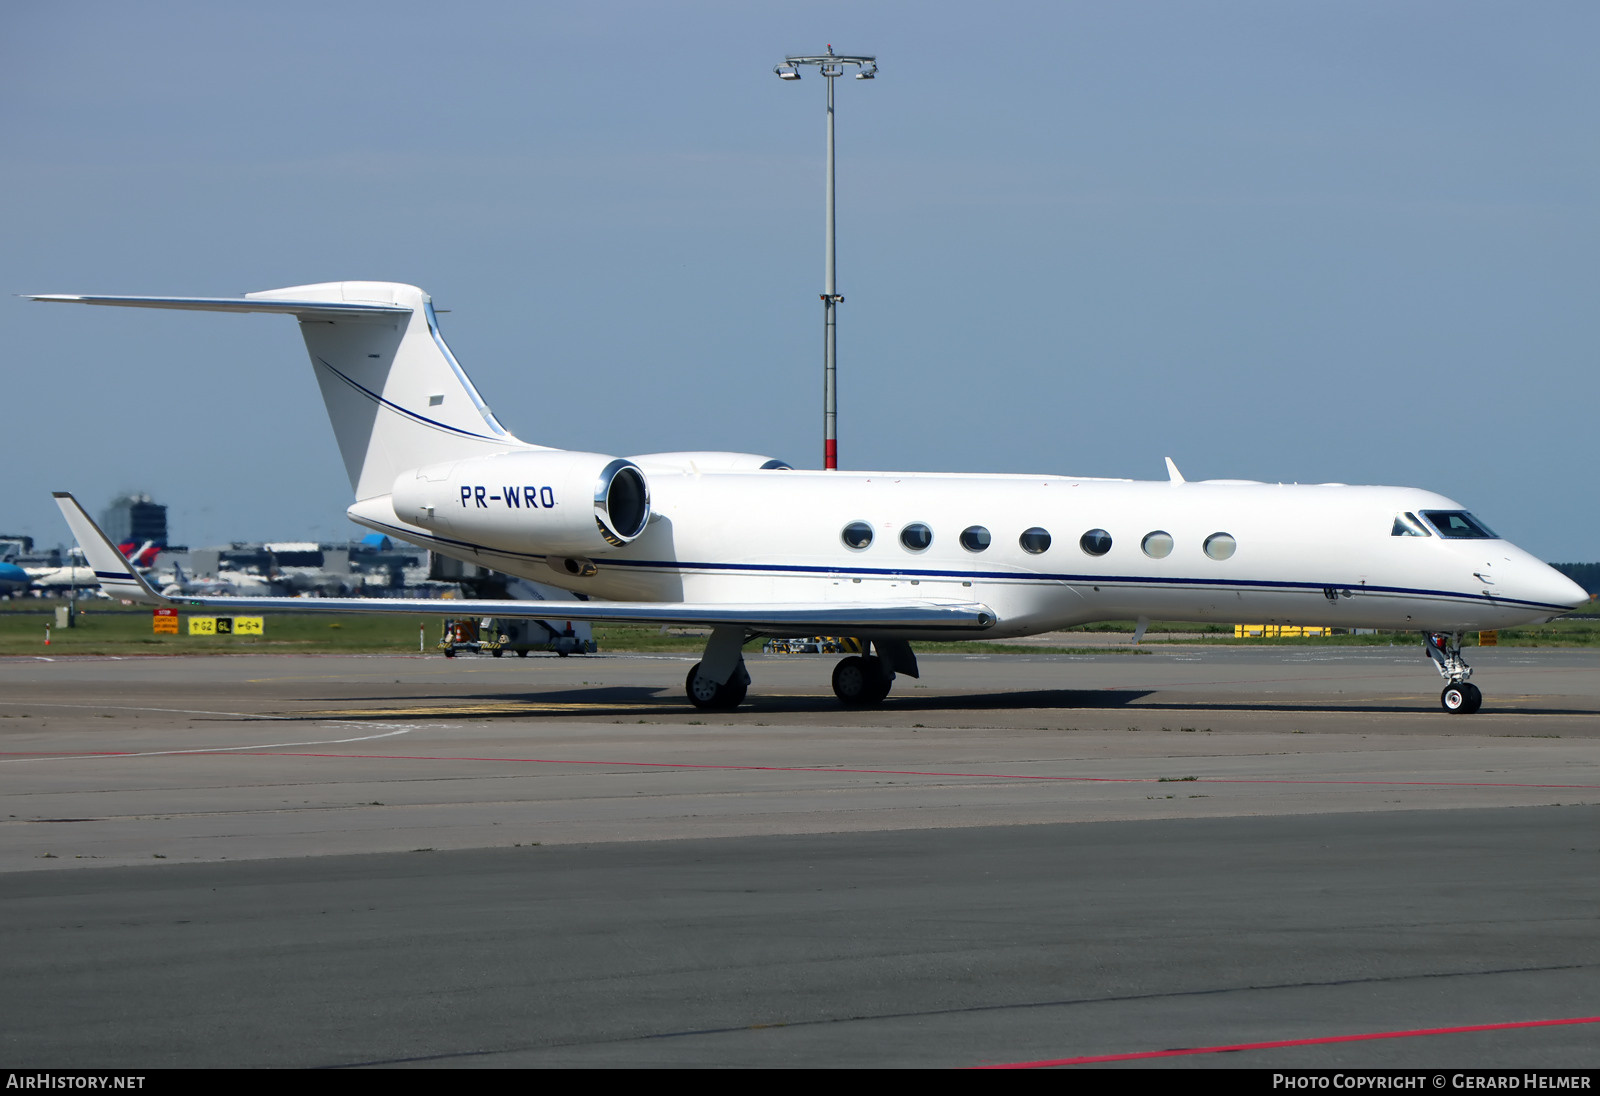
[(861, 681), (1460, 697), (711, 695), (719, 681)]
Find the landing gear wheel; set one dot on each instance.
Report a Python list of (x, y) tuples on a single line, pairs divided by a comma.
[(497, 652), (859, 681), (707, 694), (1462, 699)]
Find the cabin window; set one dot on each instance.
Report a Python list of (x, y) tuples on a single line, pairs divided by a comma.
[(1458, 525), (1157, 545), (1096, 542), (916, 537), (975, 538), (1407, 525), (857, 535), (1221, 546), (1034, 541)]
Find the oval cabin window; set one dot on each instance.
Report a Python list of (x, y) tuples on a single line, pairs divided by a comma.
[(1157, 545), (1221, 546), (1096, 542)]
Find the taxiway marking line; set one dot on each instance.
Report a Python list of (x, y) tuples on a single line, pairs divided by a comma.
[(1095, 1059), (206, 750)]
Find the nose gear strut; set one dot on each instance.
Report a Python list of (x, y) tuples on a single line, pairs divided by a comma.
[(1459, 696)]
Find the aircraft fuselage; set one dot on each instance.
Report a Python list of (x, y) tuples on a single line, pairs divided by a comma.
[(1321, 554)]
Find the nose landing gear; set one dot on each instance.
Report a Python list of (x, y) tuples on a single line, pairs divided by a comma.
[(1459, 696), (1463, 699)]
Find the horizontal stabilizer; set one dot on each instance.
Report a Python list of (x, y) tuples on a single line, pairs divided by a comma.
[(304, 309)]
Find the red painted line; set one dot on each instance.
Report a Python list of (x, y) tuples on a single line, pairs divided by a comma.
[(918, 772), (1094, 1059)]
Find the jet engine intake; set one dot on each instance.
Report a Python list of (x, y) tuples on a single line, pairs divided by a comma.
[(544, 502)]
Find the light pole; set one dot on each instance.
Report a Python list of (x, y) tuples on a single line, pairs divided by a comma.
[(831, 66)]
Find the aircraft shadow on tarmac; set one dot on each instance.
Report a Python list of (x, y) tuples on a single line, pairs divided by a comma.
[(636, 701)]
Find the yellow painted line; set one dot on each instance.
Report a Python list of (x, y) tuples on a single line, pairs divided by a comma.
[(457, 709)]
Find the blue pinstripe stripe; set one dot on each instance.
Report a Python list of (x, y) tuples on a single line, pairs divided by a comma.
[(375, 398), (1005, 576)]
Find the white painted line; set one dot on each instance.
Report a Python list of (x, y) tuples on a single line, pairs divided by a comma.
[(212, 749), (138, 708)]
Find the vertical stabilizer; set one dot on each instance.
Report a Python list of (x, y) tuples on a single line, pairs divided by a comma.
[(395, 394)]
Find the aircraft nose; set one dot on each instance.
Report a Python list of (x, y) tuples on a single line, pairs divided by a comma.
[(1550, 587)]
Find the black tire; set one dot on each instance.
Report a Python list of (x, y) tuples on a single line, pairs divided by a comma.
[(707, 695), (497, 652), (522, 652), (449, 652), (859, 682), (1474, 698), (1456, 699)]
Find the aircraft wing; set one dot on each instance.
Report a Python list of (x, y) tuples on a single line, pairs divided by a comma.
[(120, 579)]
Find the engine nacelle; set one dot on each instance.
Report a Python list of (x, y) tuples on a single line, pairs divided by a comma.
[(548, 502)]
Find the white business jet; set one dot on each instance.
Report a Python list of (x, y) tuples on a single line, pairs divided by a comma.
[(750, 547)]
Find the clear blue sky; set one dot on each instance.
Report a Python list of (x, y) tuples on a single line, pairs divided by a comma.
[(1313, 241)]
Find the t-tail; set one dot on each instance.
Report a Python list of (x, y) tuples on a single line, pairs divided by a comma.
[(396, 396)]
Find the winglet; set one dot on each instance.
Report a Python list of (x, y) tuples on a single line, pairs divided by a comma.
[(116, 575), (1172, 472)]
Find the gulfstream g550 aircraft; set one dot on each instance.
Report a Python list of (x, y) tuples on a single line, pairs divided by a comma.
[(751, 547)]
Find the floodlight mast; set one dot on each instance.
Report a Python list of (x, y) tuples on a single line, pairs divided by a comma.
[(831, 66)]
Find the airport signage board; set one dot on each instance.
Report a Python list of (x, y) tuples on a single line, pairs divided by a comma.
[(164, 622), (223, 626)]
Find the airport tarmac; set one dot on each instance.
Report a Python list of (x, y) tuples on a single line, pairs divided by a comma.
[(348, 860)]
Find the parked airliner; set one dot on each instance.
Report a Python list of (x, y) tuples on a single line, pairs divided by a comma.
[(751, 547)]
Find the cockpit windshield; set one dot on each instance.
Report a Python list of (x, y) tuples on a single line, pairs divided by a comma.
[(1458, 525), (1407, 525)]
